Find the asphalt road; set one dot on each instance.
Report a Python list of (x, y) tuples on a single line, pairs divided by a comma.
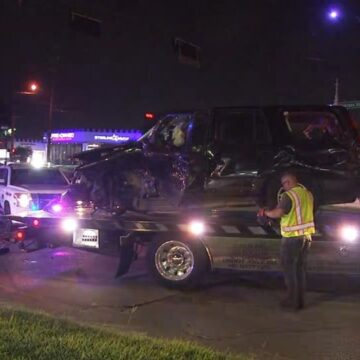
[(239, 313)]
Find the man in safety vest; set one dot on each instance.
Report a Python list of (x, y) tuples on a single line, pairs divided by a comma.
[(296, 210)]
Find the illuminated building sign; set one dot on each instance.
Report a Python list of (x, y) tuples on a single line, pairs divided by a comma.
[(83, 136), (62, 136), (113, 137)]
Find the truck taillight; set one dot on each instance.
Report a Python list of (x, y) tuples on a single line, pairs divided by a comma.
[(19, 235)]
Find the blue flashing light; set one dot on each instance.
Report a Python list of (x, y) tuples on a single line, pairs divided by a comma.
[(34, 207)]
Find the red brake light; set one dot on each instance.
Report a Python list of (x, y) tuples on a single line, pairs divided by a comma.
[(19, 235), (149, 116)]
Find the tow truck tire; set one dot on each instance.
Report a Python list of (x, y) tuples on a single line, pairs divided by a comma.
[(177, 262), (7, 210)]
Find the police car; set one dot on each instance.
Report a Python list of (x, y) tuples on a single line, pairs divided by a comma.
[(23, 187)]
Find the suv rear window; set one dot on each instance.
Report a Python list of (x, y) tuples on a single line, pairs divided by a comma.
[(37, 177), (313, 126)]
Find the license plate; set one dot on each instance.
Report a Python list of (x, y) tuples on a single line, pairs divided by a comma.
[(88, 238)]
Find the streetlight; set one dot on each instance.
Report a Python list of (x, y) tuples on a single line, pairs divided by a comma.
[(32, 88), (333, 14)]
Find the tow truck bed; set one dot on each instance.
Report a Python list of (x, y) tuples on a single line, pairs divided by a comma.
[(229, 239)]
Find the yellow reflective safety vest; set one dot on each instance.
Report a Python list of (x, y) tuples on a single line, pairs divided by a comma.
[(300, 220)]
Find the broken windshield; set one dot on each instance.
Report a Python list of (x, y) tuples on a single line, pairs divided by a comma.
[(169, 131)]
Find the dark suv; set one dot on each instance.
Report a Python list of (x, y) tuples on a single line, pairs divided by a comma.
[(229, 156)]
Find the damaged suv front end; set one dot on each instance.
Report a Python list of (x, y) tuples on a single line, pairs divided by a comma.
[(152, 172)]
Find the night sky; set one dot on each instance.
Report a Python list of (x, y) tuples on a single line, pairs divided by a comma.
[(252, 53)]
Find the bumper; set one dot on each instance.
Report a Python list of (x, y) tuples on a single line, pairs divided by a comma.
[(50, 232)]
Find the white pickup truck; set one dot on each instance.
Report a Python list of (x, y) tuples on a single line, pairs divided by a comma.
[(23, 187)]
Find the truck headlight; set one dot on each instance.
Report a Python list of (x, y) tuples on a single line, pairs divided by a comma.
[(69, 225), (349, 233), (56, 208), (22, 199), (197, 227)]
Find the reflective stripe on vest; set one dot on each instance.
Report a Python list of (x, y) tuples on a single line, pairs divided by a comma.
[(299, 227), (300, 220)]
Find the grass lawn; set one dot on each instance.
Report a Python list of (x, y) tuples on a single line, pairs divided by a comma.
[(26, 335)]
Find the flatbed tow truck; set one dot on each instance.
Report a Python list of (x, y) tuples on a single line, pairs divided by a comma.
[(182, 248)]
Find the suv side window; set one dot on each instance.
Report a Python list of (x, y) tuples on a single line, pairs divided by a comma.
[(235, 130), (262, 131), (3, 177)]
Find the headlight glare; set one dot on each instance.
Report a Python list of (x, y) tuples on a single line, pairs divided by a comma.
[(349, 233), (197, 227), (69, 225), (23, 200)]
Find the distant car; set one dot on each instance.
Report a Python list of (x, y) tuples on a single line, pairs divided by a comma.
[(23, 187), (230, 156)]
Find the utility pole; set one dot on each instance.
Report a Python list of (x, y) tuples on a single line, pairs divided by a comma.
[(12, 121), (50, 119), (336, 97)]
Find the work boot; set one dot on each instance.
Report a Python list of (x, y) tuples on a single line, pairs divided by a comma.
[(287, 303), (300, 304)]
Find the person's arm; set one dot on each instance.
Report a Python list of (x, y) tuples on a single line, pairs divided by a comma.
[(276, 213), (283, 208)]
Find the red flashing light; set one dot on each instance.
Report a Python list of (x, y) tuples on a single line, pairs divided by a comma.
[(19, 235), (149, 116), (36, 223)]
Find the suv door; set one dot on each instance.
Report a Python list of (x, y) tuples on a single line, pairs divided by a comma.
[(235, 142)]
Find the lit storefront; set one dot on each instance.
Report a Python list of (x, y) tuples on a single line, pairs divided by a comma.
[(65, 143)]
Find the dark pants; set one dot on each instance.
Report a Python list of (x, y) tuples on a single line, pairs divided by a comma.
[(3, 248), (293, 260)]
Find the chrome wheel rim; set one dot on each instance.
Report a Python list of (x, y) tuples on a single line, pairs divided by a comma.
[(174, 260)]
